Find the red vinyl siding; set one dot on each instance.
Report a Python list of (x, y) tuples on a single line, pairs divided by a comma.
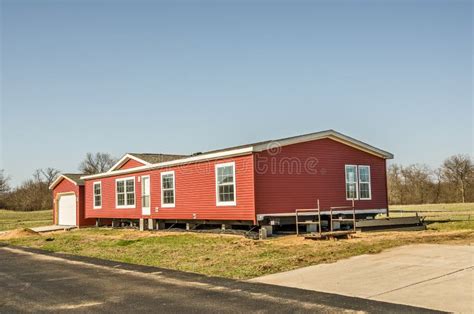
[(131, 163), (195, 193), (66, 186), (280, 189)]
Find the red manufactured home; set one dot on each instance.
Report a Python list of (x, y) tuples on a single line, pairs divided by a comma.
[(254, 184)]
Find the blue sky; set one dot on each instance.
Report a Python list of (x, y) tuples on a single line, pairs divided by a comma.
[(187, 76)]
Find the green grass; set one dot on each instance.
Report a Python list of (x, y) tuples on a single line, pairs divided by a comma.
[(10, 219), (440, 217), (447, 207), (224, 255), (451, 226)]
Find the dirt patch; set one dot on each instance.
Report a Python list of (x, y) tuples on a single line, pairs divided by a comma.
[(18, 233)]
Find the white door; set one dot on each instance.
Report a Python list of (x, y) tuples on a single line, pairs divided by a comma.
[(67, 210), (146, 211)]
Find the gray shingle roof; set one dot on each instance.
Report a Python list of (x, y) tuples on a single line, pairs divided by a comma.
[(76, 177), (156, 158)]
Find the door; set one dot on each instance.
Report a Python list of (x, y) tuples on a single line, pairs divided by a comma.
[(146, 211), (67, 210)]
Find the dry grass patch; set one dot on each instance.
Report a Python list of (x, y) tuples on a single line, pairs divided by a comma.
[(224, 255)]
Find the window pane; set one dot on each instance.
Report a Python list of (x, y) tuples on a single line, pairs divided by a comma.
[(120, 187), (97, 200), (120, 199), (226, 193), (364, 174), (167, 181), (350, 174), (130, 199), (364, 190), (225, 174), (168, 197), (130, 186), (350, 190)]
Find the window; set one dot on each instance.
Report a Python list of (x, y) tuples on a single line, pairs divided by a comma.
[(167, 189), (351, 182), (225, 184), (125, 192), (364, 182), (97, 194)]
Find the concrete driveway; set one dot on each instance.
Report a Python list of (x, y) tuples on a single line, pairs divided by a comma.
[(431, 276)]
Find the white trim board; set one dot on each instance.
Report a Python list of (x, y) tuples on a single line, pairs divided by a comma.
[(234, 183), (168, 205), (125, 206)]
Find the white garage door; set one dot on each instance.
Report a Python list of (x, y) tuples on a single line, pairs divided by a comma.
[(67, 210)]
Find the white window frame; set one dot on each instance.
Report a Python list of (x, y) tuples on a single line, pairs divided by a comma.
[(163, 191), (356, 182), (99, 183), (369, 182), (231, 203), (125, 190)]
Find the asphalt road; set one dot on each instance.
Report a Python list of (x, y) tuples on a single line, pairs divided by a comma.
[(37, 281)]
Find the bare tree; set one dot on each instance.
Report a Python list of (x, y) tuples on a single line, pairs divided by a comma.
[(46, 175), (459, 170), (418, 181), (50, 174), (4, 183), (100, 162), (396, 190)]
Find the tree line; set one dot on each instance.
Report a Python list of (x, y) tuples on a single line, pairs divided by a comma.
[(34, 193), (452, 182)]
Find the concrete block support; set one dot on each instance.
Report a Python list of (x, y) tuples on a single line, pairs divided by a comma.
[(151, 223), (226, 227), (160, 225), (190, 226), (97, 222), (142, 224), (268, 230), (311, 228)]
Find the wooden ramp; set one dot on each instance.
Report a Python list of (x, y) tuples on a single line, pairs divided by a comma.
[(52, 228), (391, 224)]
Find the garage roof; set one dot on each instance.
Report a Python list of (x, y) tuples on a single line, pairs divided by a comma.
[(72, 177)]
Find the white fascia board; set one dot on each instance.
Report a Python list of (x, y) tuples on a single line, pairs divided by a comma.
[(124, 159), (177, 162)]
